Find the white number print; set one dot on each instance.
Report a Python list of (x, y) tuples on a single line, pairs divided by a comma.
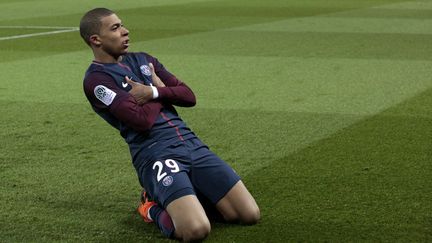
[(170, 163), (160, 175), (173, 165)]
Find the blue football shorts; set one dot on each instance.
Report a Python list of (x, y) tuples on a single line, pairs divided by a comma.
[(184, 168)]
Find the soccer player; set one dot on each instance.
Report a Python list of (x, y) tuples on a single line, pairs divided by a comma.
[(135, 94)]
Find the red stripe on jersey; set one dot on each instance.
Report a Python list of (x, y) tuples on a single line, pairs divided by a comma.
[(124, 66), (172, 125)]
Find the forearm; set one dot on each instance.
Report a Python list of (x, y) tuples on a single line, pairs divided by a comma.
[(172, 91), (140, 117), (119, 103), (180, 95)]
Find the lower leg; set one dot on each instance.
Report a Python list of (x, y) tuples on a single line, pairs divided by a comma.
[(163, 220), (183, 219), (189, 219), (238, 205)]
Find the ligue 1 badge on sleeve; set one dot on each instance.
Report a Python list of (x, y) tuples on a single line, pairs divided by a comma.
[(104, 94), (145, 70), (100, 92)]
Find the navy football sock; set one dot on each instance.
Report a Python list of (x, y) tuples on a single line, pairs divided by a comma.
[(163, 220)]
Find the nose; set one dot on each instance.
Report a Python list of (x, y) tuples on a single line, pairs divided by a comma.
[(125, 31)]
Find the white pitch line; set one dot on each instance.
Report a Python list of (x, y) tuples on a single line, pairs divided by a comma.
[(35, 27), (37, 34)]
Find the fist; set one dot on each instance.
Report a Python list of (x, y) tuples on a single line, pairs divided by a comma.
[(155, 79), (141, 93)]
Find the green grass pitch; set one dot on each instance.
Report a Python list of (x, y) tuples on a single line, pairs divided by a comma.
[(323, 107)]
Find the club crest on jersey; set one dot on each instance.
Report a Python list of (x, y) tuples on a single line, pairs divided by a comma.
[(145, 70), (167, 181), (104, 94)]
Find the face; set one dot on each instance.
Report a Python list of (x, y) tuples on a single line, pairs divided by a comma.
[(113, 37)]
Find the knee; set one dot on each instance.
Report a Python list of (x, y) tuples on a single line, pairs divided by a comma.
[(196, 232), (251, 216)]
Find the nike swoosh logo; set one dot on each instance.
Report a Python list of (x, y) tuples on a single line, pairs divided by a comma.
[(124, 85)]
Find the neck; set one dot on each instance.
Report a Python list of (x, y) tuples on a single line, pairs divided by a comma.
[(104, 57)]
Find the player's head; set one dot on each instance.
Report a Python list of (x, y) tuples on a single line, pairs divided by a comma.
[(102, 29)]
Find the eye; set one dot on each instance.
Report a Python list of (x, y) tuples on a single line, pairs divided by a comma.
[(115, 27)]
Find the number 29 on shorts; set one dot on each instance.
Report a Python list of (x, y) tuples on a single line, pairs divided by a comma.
[(161, 168)]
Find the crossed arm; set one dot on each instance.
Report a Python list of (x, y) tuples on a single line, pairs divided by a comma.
[(137, 108), (169, 88)]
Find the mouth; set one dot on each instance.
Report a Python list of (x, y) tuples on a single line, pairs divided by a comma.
[(126, 43)]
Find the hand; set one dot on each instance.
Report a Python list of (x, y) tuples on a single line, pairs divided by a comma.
[(155, 79), (142, 93)]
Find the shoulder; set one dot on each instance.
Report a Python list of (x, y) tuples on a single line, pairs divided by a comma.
[(97, 78), (94, 67), (146, 56), (138, 58), (100, 89), (94, 71), (136, 55), (141, 53)]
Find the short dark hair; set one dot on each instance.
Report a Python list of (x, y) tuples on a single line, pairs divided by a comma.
[(90, 23)]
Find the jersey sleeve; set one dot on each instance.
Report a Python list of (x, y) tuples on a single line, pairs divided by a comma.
[(103, 94), (176, 92)]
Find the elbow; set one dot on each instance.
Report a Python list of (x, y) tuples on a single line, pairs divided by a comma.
[(192, 101), (188, 101)]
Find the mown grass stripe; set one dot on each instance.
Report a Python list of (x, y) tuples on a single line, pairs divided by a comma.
[(18, 10), (317, 175), (170, 20), (37, 34), (408, 5), (344, 25)]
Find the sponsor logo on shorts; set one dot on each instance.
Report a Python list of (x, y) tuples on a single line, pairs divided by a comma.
[(167, 181)]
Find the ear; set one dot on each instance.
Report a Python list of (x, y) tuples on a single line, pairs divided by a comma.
[(95, 40)]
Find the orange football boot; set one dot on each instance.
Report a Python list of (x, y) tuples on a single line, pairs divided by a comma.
[(144, 207)]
